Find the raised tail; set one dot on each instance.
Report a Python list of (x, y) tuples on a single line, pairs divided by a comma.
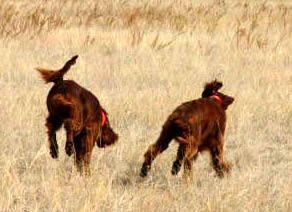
[(57, 76), (211, 87)]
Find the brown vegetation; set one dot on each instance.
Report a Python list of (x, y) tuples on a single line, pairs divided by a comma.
[(138, 56)]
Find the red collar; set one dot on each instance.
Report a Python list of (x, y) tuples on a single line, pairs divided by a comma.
[(103, 118), (217, 98)]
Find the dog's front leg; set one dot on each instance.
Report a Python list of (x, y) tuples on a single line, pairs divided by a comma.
[(89, 144)]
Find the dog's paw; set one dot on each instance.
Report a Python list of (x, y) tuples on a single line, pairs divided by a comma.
[(227, 166), (175, 168), (54, 152), (69, 148), (144, 170), (220, 173)]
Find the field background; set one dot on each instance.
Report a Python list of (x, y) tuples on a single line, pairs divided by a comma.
[(142, 59)]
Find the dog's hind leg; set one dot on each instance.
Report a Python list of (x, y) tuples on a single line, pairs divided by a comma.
[(176, 166), (69, 127), (53, 124), (155, 149)]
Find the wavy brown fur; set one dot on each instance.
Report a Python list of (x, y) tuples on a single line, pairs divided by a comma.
[(79, 111), (197, 126)]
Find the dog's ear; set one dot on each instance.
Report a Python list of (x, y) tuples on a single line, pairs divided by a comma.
[(211, 87), (227, 100)]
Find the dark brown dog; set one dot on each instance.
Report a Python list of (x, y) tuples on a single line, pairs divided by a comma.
[(197, 125), (85, 121)]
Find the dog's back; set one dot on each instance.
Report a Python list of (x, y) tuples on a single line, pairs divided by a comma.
[(203, 114), (69, 97)]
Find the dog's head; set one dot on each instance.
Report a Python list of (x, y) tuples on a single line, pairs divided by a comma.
[(108, 136), (224, 100), (211, 88)]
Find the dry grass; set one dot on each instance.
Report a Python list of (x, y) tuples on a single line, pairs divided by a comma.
[(159, 53)]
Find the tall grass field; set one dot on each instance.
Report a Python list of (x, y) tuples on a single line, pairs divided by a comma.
[(142, 58)]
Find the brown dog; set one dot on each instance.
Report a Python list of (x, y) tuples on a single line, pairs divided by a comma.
[(85, 121), (197, 125)]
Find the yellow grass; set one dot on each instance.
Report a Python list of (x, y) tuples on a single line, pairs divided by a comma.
[(142, 59)]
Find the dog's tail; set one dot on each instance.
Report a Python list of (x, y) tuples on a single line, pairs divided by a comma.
[(57, 76), (211, 87)]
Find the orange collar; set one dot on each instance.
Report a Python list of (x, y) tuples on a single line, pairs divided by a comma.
[(103, 118), (217, 98)]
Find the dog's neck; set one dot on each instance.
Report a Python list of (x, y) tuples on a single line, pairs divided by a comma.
[(103, 118)]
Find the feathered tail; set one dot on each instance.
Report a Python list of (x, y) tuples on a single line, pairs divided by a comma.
[(57, 76)]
